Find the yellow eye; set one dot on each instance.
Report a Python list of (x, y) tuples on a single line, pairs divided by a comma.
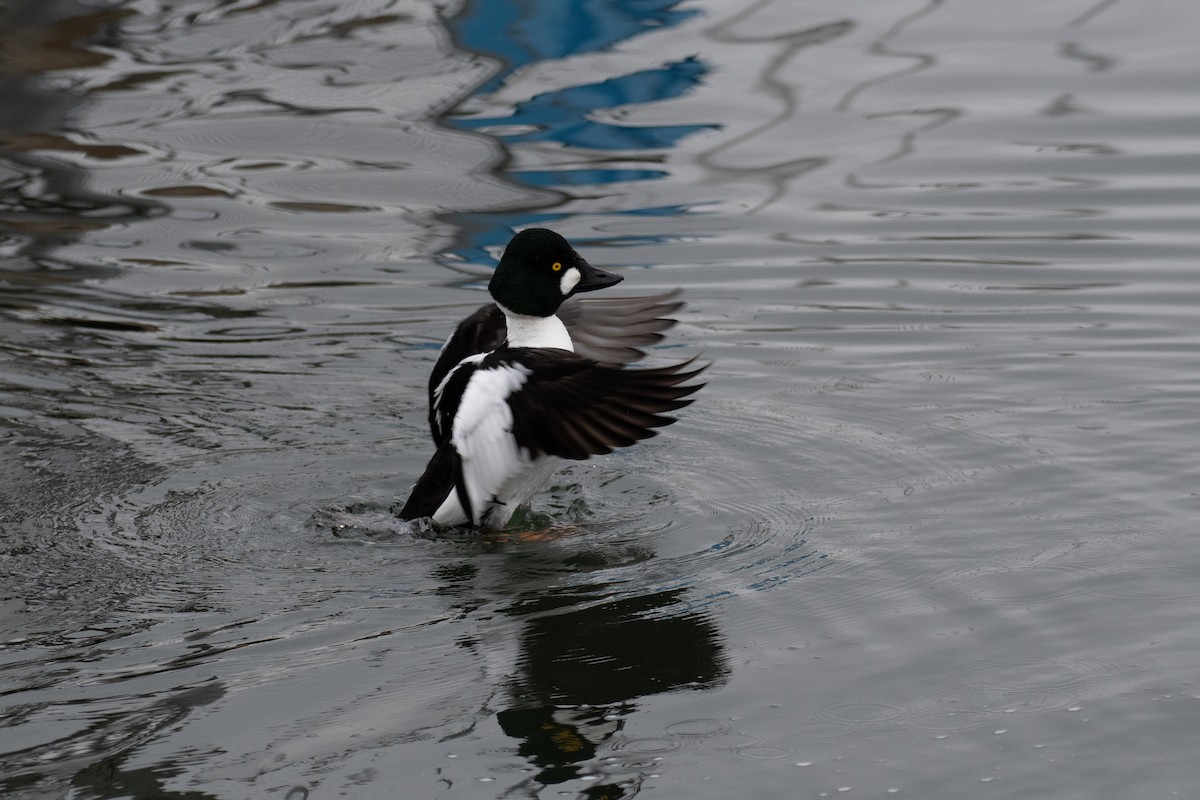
[(556, 266)]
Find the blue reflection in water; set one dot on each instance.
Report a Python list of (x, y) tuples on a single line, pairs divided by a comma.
[(584, 177), (561, 116), (521, 33)]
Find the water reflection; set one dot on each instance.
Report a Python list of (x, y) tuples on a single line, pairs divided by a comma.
[(95, 756), (110, 778), (583, 670), (520, 33), (601, 626), (44, 201), (563, 115), (557, 635), (592, 151)]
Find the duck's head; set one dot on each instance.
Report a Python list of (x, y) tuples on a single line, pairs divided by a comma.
[(539, 270)]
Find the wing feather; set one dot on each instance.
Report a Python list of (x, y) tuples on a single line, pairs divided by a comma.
[(614, 329), (574, 407), (434, 486)]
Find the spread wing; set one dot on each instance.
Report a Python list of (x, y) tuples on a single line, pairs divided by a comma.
[(613, 330), (574, 407)]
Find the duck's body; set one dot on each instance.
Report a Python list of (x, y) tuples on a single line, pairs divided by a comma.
[(510, 396)]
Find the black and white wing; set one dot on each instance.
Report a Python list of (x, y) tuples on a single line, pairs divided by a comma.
[(575, 407)]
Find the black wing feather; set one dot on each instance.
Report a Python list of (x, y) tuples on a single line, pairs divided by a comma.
[(575, 407)]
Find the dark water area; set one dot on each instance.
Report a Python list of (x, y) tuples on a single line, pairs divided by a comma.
[(929, 531)]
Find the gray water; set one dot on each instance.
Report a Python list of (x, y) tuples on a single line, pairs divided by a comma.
[(929, 531)]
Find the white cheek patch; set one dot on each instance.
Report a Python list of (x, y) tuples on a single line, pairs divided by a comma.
[(567, 282)]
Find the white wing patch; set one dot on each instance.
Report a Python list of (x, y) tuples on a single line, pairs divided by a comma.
[(483, 434)]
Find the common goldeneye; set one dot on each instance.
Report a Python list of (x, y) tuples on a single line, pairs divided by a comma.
[(516, 387)]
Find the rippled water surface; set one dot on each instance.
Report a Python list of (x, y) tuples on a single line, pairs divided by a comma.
[(930, 530)]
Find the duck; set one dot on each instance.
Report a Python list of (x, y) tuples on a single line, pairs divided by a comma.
[(540, 375)]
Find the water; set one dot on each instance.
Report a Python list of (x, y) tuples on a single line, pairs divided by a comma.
[(929, 530)]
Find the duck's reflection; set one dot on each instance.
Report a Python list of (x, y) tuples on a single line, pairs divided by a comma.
[(583, 667)]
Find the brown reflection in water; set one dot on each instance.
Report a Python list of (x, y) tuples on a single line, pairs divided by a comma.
[(44, 201)]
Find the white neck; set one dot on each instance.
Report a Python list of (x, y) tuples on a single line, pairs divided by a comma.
[(525, 331)]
